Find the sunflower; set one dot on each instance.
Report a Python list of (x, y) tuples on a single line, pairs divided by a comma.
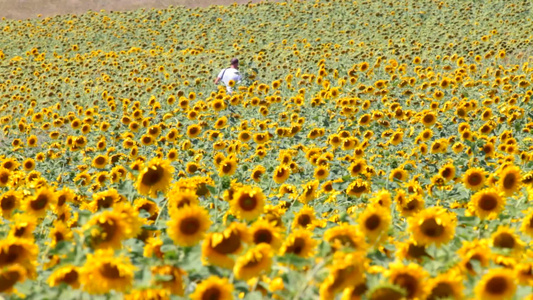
[(487, 203), (103, 200), (345, 235), (321, 173), (281, 174), (304, 217), (174, 284), (433, 225), (154, 177), (5, 177), (104, 272), (506, 238), (309, 191), (476, 250), (527, 223), (100, 161), (374, 222), (446, 285), (218, 246), (474, 178), (28, 164), (357, 167), (398, 174), (9, 276), (23, 226), (510, 180), (358, 187), (248, 203), (410, 250), (188, 225), (496, 284), (60, 233), (382, 198), (255, 261), (346, 270), (194, 131), (300, 243), (447, 171), (38, 204), (411, 277), (192, 167), (107, 230), (67, 274), (227, 167), (180, 197), (213, 288), (263, 232), (9, 202), (257, 173), (16, 251), (411, 205)]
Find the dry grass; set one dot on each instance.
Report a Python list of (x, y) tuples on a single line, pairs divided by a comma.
[(24, 9)]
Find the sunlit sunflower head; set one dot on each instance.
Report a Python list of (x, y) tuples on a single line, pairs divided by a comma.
[(447, 171), (410, 277), (104, 272), (433, 225), (309, 191), (179, 197), (154, 177), (527, 223), (187, 226), (248, 203), (254, 262), (19, 251), (38, 204), (487, 203), (264, 232), (358, 187), (510, 180), (382, 198), (374, 222), (104, 199), (346, 270), (281, 174), (68, 274), (9, 202), (496, 284), (445, 285), (300, 243), (477, 251), (412, 205), (194, 131), (10, 276), (107, 230), (23, 226), (474, 178), (345, 235), (410, 250), (304, 217), (398, 174), (227, 167), (218, 248), (175, 282), (505, 238), (213, 288), (257, 173)]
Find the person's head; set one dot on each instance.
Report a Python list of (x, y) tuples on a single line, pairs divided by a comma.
[(234, 63)]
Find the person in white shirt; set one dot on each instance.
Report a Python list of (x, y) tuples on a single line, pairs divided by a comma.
[(231, 73)]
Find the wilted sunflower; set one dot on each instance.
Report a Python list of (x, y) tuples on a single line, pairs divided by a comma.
[(187, 226), (300, 243), (510, 180), (474, 178), (433, 225), (213, 288), (411, 277), (487, 203), (248, 203), (496, 284), (255, 261), (154, 177), (104, 272)]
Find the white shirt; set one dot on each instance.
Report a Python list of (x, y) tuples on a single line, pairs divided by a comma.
[(229, 74)]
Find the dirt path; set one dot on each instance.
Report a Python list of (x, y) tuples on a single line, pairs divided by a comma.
[(24, 9)]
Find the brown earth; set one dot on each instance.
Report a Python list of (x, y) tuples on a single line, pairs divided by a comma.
[(25, 9)]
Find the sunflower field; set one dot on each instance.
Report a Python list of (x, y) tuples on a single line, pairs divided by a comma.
[(373, 150)]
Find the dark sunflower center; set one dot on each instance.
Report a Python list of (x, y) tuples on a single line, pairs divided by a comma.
[(8, 203), (4, 178), (70, 277), (304, 220), (297, 247), (504, 240), (446, 173), (189, 226), (496, 285), (153, 175), (61, 200), (11, 255), (428, 119), (359, 189), (415, 251), (431, 228), (20, 231), (110, 271), (509, 181), (263, 236), (442, 290), (247, 203), (109, 228), (229, 245), (226, 168), (104, 202), (372, 222), (39, 203), (488, 202), (8, 279), (408, 282), (474, 179), (212, 294), (100, 160)]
